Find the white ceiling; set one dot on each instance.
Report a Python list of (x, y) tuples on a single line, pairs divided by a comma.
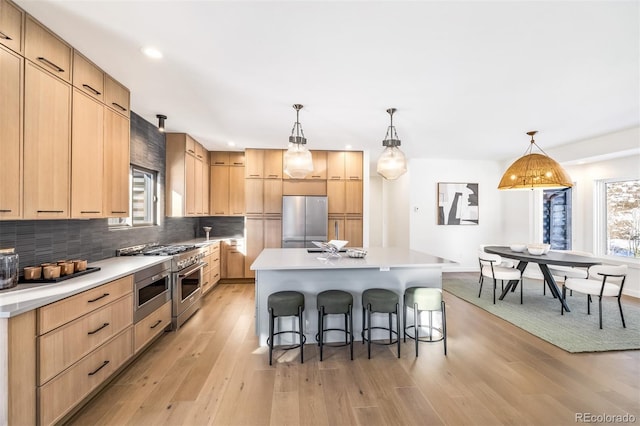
[(468, 79)]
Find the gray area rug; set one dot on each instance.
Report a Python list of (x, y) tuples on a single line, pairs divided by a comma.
[(574, 331)]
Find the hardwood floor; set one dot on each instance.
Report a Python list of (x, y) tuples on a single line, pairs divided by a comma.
[(212, 372)]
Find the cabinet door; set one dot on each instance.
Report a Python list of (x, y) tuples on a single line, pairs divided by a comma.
[(272, 196), (253, 163), (353, 198), (336, 196), (47, 141), (255, 242), (236, 158), (254, 196), (234, 262), (219, 158), (319, 165), (353, 231), (205, 188), (11, 26), (197, 187), (87, 77), (190, 184), (353, 165), (87, 149), (44, 48), (272, 164), (116, 164), (11, 86), (116, 96), (336, 228), (236, 191), (219, 192), (272, 232), (335, 165)]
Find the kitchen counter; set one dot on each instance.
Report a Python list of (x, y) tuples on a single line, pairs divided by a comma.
[(26, 297), (394, 269)]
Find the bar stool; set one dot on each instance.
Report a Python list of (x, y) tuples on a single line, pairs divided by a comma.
[(422, 299), (379, 300), (332, 302), (286, 304)]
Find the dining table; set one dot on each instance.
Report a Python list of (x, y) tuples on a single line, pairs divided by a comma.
[(559, 258)]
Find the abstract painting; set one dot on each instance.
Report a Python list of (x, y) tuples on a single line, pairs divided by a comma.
[(457, 203)]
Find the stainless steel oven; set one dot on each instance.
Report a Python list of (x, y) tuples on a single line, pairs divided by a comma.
[(187, 292), (152, 289)]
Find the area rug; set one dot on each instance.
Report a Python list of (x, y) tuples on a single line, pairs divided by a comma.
[(574, 331)]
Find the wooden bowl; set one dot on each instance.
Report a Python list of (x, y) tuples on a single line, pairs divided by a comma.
[(51, 272), (32, 272)]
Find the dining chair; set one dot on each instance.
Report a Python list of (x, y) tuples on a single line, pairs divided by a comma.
[(489, 267), (603, 281), (562, 273), (507, 263)]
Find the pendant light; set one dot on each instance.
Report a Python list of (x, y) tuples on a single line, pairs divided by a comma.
[(161, 119), (297, 160), (392, 163), (535, 171)]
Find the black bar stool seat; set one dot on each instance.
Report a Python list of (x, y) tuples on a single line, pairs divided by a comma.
[(380, 300), (286, 304), (333, 302)]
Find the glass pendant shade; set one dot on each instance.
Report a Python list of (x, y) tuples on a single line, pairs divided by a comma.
[(392, 163), (297, 161), (533, 171)]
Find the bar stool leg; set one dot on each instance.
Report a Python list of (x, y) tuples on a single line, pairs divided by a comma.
[(391, 325), (416, 326), (301, 334), (404, 319), (444, 327), (351, 330), (398, 327), (364, 325), (321, 331), (369, 331), (270, 335)]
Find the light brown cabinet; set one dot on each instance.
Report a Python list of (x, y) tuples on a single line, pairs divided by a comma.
[(150, 326), (116, 164), (353, 231), (11, 86), (11, 19), (254, 163), (116, 96), (263, 196), (47, 141), (232, 259), (211, 272), (345, 196), (226, 158), (184, 188), (87, 77), (344, 165), (48, 51), (272, 165), (262, 232), (227, 186), (87, 157), (206, 181)]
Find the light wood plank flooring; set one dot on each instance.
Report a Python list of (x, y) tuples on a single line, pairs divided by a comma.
[(212, 372)]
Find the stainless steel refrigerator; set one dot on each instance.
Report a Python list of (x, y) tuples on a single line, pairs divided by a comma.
[(304, 219)]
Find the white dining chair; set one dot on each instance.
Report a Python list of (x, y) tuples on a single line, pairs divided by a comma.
[(489, 267), (506, 263), (562, 273), (603, 281)]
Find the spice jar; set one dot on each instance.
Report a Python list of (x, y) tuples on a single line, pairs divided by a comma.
[(8, 268)]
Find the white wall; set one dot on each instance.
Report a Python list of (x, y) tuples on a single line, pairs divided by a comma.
[(408, 205)]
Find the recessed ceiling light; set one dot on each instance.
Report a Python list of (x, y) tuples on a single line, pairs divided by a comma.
[(230, 143), (348, 147), (152, 52)]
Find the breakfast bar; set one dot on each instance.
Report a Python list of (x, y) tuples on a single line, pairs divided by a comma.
[(297, 269)]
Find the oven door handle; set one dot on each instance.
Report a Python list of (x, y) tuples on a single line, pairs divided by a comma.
[(191, 270)]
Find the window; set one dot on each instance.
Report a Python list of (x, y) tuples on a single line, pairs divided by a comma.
[(622, 200), (143, 199)]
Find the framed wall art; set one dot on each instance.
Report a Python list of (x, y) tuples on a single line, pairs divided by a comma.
[(457, 203)]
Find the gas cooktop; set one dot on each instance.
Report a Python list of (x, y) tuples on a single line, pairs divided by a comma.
[(154, 250)]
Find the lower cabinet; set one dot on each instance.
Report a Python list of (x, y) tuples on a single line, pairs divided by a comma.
[(81, 341), (211, 272), (233, 259), (152, 325)]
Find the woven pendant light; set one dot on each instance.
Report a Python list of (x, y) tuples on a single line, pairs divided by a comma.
[(535, 171)]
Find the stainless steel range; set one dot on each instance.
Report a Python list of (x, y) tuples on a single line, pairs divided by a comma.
[(186, 276)]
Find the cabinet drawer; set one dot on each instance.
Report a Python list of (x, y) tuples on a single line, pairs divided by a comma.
[(66, 345), (11, 18), (59, 313), (44, 48), (152, 325), (88, 77), (116, 96), (61, 394)]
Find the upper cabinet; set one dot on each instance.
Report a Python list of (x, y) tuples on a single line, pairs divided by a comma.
[(184, 187), (319, 171), (227, 188), (254, 163), (11, 21), (11, 87), (116, 96), (88, 77), (116, 164), (272, 165), (48, 51), (226, 158), (344, 165)]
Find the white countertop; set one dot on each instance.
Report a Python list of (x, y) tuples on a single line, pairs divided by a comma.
[(377, 257), (25, 297)]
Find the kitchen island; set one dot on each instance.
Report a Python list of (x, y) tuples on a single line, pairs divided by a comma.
[(311, 273)]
